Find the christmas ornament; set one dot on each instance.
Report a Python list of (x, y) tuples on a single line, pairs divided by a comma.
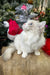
[(46, 26), (42, 13), (35, 10), (30, 1)]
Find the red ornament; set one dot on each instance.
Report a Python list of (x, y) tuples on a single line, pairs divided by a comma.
[(42, 13)]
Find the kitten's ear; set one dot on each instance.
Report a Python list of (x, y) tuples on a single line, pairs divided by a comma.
[(28, 20), (42, 24)]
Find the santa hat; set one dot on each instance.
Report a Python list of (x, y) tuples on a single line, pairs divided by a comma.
[(13, 30)]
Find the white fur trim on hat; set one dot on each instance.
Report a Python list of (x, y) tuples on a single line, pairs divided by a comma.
[(11, 37)]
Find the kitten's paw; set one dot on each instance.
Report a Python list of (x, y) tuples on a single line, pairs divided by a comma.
[(24, 55), (19, 52), (37, 53)]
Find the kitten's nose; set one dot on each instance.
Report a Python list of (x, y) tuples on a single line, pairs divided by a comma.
[(24, 23)]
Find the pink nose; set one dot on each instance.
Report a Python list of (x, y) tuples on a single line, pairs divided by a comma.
[(24, 23)]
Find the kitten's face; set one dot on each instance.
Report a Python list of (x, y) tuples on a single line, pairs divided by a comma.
[(34, 26), (29, 25)]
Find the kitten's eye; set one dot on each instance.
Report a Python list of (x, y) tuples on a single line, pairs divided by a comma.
[(30, 23)]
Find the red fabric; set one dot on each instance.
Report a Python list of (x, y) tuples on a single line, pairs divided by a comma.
[(14, 28), (46, 47)]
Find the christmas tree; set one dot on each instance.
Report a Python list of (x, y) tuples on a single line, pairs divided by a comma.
[(7, 11), (48, 22), (47, 19)]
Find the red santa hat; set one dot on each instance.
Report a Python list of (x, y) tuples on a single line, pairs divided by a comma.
[(13, 30)]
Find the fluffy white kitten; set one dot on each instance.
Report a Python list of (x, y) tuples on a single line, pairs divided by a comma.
[(30, 40)]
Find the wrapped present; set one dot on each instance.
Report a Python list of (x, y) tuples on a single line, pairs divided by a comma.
[(23, 13), (27, 7)]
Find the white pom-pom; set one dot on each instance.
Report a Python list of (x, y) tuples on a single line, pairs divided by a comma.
[(6, 24)]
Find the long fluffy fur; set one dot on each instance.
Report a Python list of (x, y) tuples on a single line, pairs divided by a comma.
[(30, 40), (8, 52)]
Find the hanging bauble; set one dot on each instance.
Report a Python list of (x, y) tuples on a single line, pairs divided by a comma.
[(42, 13), (35, 10), (30, 1)]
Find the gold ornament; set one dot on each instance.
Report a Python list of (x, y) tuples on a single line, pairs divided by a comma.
[(35, 9), (30, 1)]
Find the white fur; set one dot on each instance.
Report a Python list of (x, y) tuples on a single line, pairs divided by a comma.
[(7, 54), (30, 40), (11, 37)]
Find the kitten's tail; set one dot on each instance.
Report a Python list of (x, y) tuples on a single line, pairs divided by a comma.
[(8, 53)]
